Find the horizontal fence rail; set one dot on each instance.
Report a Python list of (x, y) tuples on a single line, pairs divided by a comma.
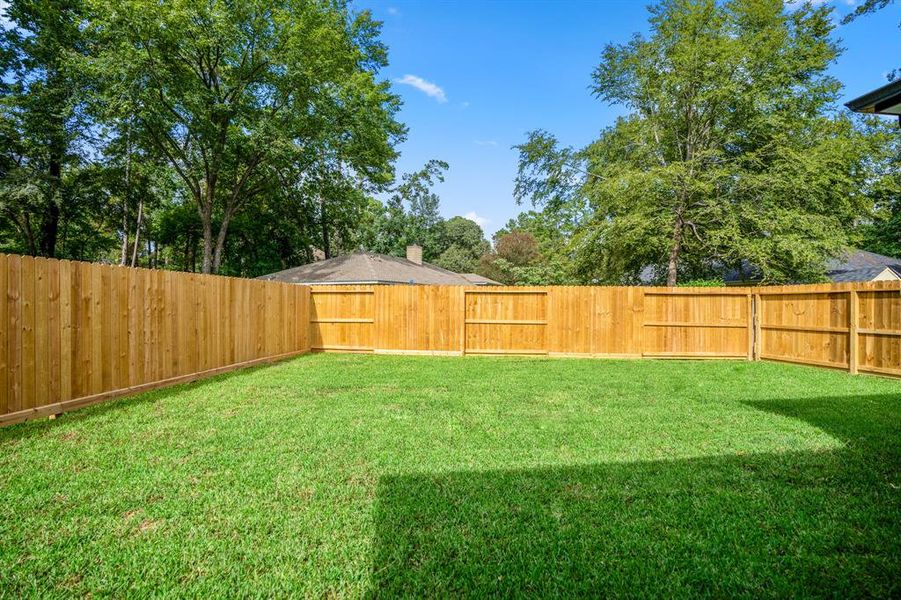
[(850, 326), (76, 333)]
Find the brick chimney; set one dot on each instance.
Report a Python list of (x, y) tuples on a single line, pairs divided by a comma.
[(414, 254)]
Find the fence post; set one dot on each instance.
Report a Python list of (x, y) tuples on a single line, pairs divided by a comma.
[(641, 320), (750, 312), (854, 318), (758, 342)]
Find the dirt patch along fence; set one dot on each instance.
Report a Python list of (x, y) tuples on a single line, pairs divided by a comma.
[(75, 333), (849, 326)]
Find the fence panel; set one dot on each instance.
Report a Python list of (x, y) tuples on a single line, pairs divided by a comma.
[(506, 321), (75, 333), (697, 323), (847, 326), (879, 331), (419, 319), (342, 318)]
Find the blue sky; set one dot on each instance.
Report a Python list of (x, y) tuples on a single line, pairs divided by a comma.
[(476, 76)]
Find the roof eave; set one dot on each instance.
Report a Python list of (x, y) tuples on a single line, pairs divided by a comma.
[(885, 96)]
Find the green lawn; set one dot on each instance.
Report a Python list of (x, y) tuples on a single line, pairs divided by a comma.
[(342, 475)]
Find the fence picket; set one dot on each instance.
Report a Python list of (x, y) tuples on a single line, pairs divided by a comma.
[(75, 333)]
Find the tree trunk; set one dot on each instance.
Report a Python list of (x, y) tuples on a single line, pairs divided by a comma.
[(134, 254), (123, 253), (50, 220), (125, 199), (326, 243), (220, 243), (672, 271)]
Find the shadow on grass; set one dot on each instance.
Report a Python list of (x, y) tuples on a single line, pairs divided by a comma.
[(794, 524)]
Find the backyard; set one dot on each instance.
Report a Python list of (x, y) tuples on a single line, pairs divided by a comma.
[(354, 475)]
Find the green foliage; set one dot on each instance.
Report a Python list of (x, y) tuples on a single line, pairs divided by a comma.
[(866, 7), (42, 126), (463, 242), (702, 283), (730, 154), (457, 259), (882, 234), (411, 215), (118, 119), (353, 476), (242, 98), (517, 260)]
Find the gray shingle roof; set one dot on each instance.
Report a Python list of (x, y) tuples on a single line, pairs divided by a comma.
[(853, 265), (862, 259), (851, 275), (364, 267)]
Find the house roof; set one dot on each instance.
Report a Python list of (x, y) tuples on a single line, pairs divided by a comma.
[(476, 279), (881, 101), (853, 265), (861, 265), (365, 267)]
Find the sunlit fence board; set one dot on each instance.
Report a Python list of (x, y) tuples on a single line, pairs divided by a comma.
[(846, 326), (879, 331), (75, 333), (506, 321), (342, 318), (705, 323), (420, 319)]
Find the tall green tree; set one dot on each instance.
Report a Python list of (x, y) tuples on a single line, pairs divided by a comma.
[(411, 214), (882, 233), (730, 153), (464, 243), (232, 93), (42, 121)]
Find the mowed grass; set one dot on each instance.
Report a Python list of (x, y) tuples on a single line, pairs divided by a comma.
[(343, 475)]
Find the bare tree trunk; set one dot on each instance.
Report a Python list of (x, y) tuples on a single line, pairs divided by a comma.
[(134, 254), (50, 220), (125, 198), (207, 265), (672, 271), (123, 253), (220, 242), (205, 210), (326, 243)]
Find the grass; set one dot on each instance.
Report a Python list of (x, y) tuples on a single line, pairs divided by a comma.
[(342, 475)]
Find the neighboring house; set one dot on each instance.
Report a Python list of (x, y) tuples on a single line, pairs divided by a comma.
[(368, 268), (860, 265), (854, 265), (882, 101)]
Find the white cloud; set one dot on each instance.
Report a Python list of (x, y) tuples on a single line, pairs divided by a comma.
[(464, 105), (427, 87), (392, 10), (485, 142), (480, 221)]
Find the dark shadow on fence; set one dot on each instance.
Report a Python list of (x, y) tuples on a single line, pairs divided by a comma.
[(790, 524)]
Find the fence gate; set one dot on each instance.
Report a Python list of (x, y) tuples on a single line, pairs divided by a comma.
[(342, 318), (505, 321)]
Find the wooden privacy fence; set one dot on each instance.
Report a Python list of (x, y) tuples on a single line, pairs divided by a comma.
[(849, 326), (76, 333)]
